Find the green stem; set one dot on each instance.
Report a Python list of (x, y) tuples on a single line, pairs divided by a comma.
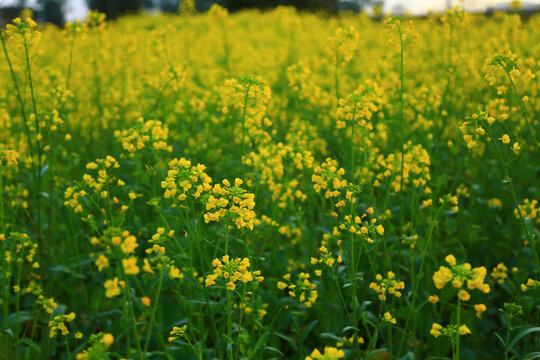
[(229, 326), (153, 315), (2, 224), (458, 325), (246, 98), (67, 348), (529, 237), (38, 142), (507, 342), (521, 105)]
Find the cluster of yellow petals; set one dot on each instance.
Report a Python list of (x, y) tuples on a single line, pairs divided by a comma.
[(460, 275), (232, 272), (231, 201)]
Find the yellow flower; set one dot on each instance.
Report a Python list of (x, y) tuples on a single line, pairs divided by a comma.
[(479, 308), (505, 139), (112, 288), (130, 266), (102, 262), (389, 318), (107, 340), (450, 259), (464, 295), (330, 353), (436, 329), (464, 330)]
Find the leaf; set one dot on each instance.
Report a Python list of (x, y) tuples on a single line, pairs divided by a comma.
[(331, 336), (407, 356), (273, 349), (500, 339), (533, 355), (522, 334), (23, 316), (308, 328), (288, 339), (375, 352), (258, 345), (347, 328), (32, 344)]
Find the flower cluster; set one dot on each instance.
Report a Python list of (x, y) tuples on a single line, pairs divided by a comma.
[(302, 289), (98, 184), (530, 209), (388, 318), (301, 82), (451, 330), (25, 28), (342, 45), (232, 271), (177, 332), (415, 168), (389, 285), (358, 108), (460, 275), (329, 177), (530, 284), (184, 179), (499, 273), (58, 323), (329, 353), (232, 202), (8, 157), (362, 225), (150, 134), (326, 257)]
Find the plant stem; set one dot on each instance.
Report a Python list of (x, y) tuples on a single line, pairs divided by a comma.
[(458, 325), (521, 105), (507, 342), (153, 315)]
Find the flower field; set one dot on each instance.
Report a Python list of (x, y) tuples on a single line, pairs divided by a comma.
[(270, 185)]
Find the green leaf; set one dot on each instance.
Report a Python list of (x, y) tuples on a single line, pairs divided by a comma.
[(259, 343), (500, 339), (522, 334), (32, 344), (23, 316), (347, 328), (288, 339), (308, 328), (375, 352), (273, 349), (331, 336)]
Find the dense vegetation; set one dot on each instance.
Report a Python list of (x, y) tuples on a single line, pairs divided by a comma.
[(270, 185)]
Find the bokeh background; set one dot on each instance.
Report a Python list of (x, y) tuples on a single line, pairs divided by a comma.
[(61, 11)]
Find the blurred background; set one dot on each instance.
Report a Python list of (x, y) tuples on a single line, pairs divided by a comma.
[(61, 11)]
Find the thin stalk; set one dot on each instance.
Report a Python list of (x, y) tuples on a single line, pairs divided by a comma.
[(402, 126), (458, 325), (2, 224), (513, 192), (36, 123), (246, 98), (23, 113), (70, 63), (507, 342), (521, 105), (67, 347), (153, 315), (229, 325)]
